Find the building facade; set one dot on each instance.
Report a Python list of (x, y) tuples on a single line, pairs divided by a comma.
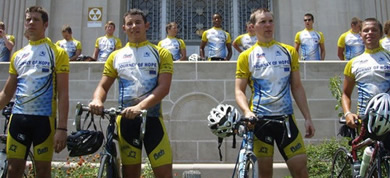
[(332, 17)]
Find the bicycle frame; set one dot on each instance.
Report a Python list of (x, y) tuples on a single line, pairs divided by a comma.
[(109, 150), (357, 143), (246, 150)]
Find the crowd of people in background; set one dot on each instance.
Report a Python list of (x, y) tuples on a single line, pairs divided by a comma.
[(308, 42)]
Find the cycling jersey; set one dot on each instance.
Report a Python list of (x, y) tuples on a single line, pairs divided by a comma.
[(217, 40), (385, 42), (371, 71), (246, 41), (5, 53), (106, 46), (137, 68), (352, 43), (36, 66), (174, 45), (70, 46), (34, 112), (267, 66), (309, 41)]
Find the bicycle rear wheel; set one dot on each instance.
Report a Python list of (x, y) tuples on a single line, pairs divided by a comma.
[(107, 168), (251, 168), (341, 164)]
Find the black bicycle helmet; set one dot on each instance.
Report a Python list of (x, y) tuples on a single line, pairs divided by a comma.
[(84, 142)]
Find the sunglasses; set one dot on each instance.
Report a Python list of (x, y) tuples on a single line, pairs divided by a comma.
[(307, 20)]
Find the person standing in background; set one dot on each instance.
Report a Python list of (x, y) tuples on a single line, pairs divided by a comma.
[(176, 46), (385, 41), (310, 42), (247, 40), (72, 46), (105, 45), (217, 40), (350, 43), (7, 42)]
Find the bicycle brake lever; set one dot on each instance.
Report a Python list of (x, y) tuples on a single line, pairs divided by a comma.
[(143, 124), (287, 122)]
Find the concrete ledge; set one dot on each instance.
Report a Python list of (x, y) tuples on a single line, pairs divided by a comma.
[(214, 170)]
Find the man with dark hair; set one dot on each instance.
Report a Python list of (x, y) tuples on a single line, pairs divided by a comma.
[(72, 46), (368, 71), (310, 42), (218, 42), (350, 43), (39, 74), (7, 42), (144, 73), (105, 45)]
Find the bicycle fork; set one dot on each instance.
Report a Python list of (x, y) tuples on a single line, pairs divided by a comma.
[(246, 148)]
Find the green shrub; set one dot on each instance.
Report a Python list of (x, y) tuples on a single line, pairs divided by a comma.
[(320, 156)]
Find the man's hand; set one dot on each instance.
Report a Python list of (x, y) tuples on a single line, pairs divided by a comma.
[(60, 140), (351, 119), (310, 130), (131, 112), (96, 107)]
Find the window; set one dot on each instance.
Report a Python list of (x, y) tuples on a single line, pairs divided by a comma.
[(195, 16)]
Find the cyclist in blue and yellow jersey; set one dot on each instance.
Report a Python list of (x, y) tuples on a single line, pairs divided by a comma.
[(144, 73), (176, 46), (245, 41), (72, 46), (271, 69), (39, 74), (218, 41), (385, 41), (106, 44), (7, 42), (310, 42), (350, 43), (368, 71)]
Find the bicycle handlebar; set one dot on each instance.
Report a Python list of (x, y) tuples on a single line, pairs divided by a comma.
[(284, 119), (80, 108)]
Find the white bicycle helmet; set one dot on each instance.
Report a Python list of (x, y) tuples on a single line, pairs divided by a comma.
[(222, 120), (378, 113), (194, 57)]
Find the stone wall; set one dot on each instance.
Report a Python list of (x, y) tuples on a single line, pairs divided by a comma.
[(196, 88)]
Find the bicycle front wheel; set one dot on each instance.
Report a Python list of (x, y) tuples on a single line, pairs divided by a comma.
[(107, 168), (251, 169), (30, 170), (341, 164), (379, 169)]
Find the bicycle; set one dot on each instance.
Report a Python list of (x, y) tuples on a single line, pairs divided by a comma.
[(109, 165), (30, 169), (347, 163), (247, 161)]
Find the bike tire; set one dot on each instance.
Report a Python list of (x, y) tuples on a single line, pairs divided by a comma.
[(3, 164), (341, 164), (251, 168), (30, 169), (107, 168), (373, 171)]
